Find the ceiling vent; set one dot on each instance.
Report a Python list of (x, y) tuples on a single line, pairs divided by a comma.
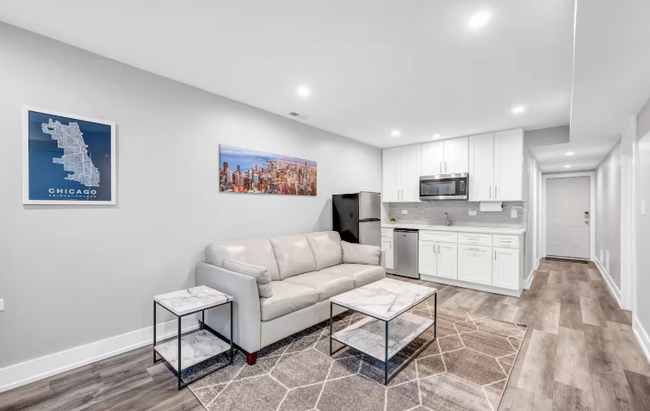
[(294, 114)]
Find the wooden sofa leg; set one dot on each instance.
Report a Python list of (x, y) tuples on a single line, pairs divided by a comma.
[(251, 358)]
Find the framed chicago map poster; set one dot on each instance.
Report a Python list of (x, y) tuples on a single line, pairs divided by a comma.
[(67, 159)]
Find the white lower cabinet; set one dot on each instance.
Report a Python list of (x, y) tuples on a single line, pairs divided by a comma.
[(505, 271), (475, 264), (439, 259), (387, 247)]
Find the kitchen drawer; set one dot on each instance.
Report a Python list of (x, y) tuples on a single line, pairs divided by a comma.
[(442, 236), (475, 239), (387, 233), (507, 241)]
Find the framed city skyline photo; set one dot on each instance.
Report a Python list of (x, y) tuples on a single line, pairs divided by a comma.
[(67, 159), (250, 171)]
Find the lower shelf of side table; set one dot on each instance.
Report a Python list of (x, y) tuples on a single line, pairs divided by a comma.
[(195, 347), (369, 335)]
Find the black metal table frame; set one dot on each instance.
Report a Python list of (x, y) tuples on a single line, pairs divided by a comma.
[(388, 378), (180, 335)]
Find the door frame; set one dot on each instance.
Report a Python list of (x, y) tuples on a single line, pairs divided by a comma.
[(592, 209)]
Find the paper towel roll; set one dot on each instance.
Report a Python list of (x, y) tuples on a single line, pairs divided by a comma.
[(490, 206)]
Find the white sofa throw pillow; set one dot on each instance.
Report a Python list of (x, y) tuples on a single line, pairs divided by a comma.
[(360, 253), (260, 273)]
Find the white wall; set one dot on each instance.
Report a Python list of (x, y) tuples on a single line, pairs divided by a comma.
[(608, 212), (642, 224), (532, 178), (74, 275)]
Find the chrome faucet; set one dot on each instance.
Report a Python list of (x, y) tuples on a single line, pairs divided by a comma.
[(449, 222)]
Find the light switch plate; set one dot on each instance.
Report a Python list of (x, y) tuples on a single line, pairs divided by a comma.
[(513, 213), (2, 304), (643, 207), (405, 211), (471, 212)]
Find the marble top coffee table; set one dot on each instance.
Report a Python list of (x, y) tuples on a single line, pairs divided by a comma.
[(194, 347), (385, 302)]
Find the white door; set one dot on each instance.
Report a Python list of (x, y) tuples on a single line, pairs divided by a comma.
[(481, 167), (508, 165), (447, 258), (391, 174), (427, 257), (432, 158), (505, 272), (567, 222), (387, 248), (475, 264), (457, 155), (411, 161)]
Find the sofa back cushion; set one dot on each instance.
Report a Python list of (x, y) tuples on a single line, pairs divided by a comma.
[(257, 251), (326, 247), (293, 255), (360, 253)]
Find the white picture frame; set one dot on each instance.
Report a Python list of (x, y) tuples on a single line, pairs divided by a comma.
[(66, 201)]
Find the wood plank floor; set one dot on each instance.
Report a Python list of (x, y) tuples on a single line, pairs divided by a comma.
[(579, 354)]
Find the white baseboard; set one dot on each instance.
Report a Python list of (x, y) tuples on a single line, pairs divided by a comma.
[(641, 336), (612, 287), (531, 276), (472, 286), (33, 370)]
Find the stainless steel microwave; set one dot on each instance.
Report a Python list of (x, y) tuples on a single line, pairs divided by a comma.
[(444, 187)]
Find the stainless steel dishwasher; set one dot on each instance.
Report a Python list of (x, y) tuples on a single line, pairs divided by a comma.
[(406, 253)]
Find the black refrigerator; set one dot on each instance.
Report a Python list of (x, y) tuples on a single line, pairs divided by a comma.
[(357, 217)]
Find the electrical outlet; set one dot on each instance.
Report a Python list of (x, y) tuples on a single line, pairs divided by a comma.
[(513, 213), (405, 211), (471, 212), (2, 304)]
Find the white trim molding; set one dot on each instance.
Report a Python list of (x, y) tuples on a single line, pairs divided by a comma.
[(531, 276), (17, 375), (592, 209), (471, 286), (641, 336), (610, 283)]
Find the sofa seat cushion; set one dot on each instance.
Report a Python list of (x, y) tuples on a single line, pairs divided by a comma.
[(362, 274), (293, 255), (287, 298), (326, 247), (327, 284)]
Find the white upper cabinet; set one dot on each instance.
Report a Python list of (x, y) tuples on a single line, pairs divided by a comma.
[(433, 157), (457, 155), (401, 174), (447, 156), (496, 166), (508, 165), (391, 174), (410, 175), (481, 167)]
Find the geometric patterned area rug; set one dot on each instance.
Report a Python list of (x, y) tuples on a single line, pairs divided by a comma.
[(466, 368)]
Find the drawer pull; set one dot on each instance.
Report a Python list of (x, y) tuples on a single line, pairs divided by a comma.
[(505, 241), (474, 249)]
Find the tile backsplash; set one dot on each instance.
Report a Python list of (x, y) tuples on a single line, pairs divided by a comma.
[(432, 213)]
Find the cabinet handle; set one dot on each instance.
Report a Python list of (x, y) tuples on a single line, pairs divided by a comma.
[(495, 192), (473, 249), (490, 192), (441, 167), (434, 249), (445, 166), (495, 255), (438, 248)]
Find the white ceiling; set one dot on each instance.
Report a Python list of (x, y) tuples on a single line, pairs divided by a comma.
[(372, 66)]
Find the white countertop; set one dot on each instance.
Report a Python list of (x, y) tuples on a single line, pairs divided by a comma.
[(460, 228)]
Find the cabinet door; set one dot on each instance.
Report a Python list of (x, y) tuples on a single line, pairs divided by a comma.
[(505, 273), (391, 175), (475, 264), (433, 157), (447, 258), (427, 257), (481, 167), (508, 165), (387, 248), (410, 181), (457, 155)]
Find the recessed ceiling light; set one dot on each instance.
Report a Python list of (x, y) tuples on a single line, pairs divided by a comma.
[(303, 92), (567, 166), (436, 136), (570, 153), (478, 20), (518, 109), (395, 133)]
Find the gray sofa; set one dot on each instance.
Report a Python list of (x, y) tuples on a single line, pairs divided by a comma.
[(306, 270)]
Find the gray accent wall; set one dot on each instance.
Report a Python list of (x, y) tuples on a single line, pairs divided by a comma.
[(70, 276), (432, 213), (608, 212)]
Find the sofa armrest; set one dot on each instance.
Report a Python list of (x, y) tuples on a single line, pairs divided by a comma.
[(382, 259), (247, 316)]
